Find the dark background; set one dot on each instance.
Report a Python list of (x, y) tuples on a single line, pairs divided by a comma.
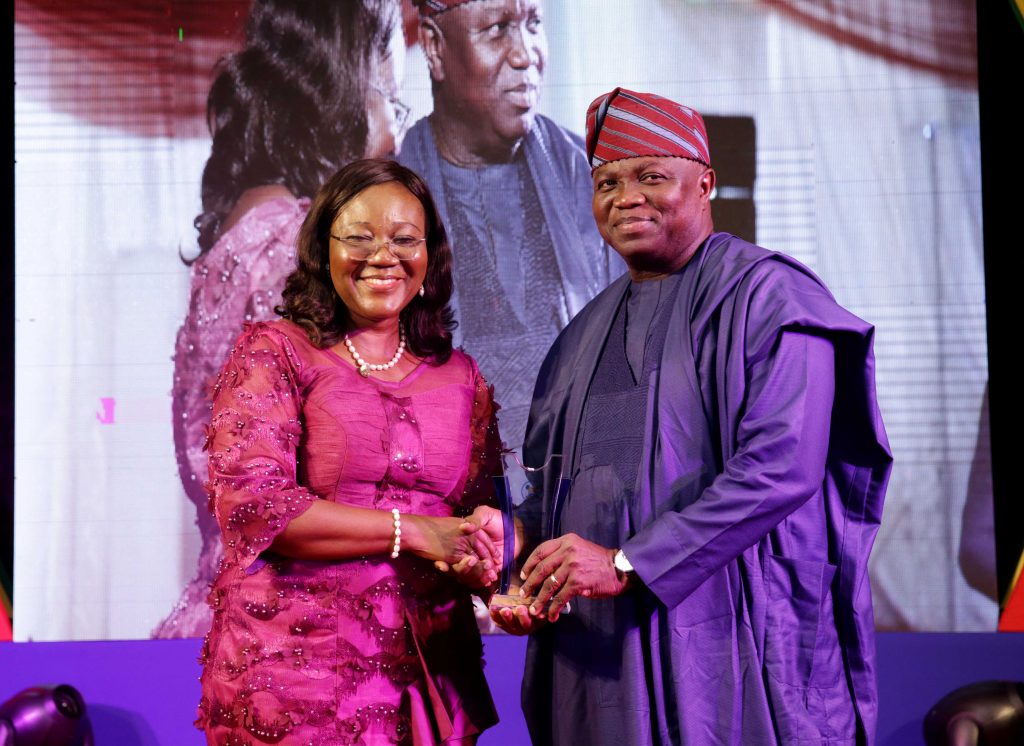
[(1000, 80)]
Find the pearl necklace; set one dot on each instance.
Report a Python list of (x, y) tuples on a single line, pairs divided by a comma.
[(365, 367)]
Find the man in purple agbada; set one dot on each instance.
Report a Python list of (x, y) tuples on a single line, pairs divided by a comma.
[(715, 409)]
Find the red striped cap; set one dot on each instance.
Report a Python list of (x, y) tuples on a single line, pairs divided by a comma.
[(627, 124), (429, 8)]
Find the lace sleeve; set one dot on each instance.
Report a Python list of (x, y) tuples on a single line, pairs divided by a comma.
[(485, 449), (252, 441)]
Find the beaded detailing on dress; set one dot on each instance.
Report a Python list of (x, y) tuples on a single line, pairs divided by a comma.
[(238, 280), (251, 445), (486, 447), (371, 650)]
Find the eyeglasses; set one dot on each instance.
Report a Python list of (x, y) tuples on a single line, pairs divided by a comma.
[(401, 110), (361, 248)]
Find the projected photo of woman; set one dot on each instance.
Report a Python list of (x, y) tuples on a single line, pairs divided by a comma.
[(345, 440), (313, 88)]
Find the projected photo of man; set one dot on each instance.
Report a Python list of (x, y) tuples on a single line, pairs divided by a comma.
[(513, 188)]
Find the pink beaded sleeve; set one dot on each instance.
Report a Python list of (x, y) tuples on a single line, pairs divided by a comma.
[(252, 441), (486, 447)]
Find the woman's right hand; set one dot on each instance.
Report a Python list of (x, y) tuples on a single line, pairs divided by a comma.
[(474, 573), (449, 541)]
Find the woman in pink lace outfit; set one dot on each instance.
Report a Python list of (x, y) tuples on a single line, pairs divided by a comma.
[(313, 89), (346, 441)]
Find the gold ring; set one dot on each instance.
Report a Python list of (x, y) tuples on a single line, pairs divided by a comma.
[(554, 580)]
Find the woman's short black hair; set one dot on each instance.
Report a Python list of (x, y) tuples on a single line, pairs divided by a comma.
[(309, 297), (290, 107)]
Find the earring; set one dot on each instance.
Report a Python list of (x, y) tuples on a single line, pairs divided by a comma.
[(422, 292)]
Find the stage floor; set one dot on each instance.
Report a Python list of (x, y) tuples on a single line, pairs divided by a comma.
[(143, 693)]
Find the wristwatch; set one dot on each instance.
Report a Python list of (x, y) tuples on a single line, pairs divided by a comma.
[(623, 566)]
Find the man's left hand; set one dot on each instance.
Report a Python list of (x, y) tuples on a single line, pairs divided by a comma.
[(569, 566)]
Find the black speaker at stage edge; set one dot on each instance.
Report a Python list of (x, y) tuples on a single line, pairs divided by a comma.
[(51, 715)]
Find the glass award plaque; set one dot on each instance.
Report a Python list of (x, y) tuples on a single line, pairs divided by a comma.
[(516, 484)]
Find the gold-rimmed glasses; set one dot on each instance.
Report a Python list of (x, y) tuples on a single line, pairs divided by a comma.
[(361, 248)]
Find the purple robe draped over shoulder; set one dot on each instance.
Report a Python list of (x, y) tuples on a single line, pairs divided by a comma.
[(753, 622)]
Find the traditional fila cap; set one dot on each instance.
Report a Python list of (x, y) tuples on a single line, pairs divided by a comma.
[(626, 124), (430, 8)]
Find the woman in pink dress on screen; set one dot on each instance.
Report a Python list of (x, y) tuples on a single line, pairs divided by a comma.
[(313, 88), (351, 451)]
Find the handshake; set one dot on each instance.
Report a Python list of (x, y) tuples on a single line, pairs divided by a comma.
[(555, 572)]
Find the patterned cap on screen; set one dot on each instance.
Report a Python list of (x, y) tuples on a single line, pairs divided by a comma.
[(429, 8), (627, 124)]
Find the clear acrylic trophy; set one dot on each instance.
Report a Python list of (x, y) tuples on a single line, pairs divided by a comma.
[(515, 485)]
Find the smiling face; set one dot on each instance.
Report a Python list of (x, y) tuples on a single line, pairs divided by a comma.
[(654, 211), (376, 289), (492, 65)]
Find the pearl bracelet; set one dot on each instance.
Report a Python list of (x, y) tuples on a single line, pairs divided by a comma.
[(396, 548)]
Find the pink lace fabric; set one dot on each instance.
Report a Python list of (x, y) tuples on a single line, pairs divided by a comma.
[(238, 280), (372, 650)]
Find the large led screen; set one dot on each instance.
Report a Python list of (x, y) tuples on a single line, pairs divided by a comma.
[(845, 135)]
